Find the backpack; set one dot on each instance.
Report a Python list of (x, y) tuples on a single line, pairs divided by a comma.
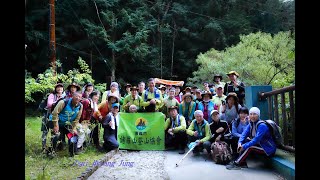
[(43, 104), (55, 103), (275, 131), (221, 152)]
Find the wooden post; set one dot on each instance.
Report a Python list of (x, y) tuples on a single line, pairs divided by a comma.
[(52, 40)]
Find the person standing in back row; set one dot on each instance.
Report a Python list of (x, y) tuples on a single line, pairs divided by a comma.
[(234, 85)]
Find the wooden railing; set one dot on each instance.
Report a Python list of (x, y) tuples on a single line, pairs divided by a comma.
[(286, 118)]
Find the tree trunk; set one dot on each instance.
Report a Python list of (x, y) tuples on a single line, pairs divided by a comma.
[(172, 52)]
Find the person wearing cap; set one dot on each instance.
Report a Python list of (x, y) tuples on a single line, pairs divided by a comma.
[(114, 88), (134, 99), (234, 85), (219, 128), (105, 106), (73, 87), (219, 97), (53, 97), (65, 118), (110, 128), (230, 108), (175, 130), (256, 138), (87, 90), (127, 88), (199, 132), (187, 107), (206, 105), (217, 80), (154, 96), (169, 101)]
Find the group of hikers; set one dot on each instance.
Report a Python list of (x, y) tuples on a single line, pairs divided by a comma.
[(200, 115)]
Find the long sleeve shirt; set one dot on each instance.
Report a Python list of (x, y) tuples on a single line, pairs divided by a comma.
[(203, 127), (178, 123)]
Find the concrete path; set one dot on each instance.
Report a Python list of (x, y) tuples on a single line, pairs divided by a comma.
[(195, 167), (161, 165)]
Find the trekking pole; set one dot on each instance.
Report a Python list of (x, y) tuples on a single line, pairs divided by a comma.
[(186, 154)]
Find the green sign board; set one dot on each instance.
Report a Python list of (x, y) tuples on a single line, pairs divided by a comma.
[(141, 131)]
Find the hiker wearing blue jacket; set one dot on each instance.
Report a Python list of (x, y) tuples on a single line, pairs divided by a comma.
[(254, 138)]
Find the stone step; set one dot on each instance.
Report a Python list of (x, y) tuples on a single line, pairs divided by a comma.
[(284, 163)]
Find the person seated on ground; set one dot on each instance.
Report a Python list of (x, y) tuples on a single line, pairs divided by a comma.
[(154, 96), (206, 105), (134, 99), (253, 139), (169, 101), (110, 125), (175, 130), (64, 119), (53, 97), (199, 132), (218, 129), (187, 108), (238, 126), (133, 108)]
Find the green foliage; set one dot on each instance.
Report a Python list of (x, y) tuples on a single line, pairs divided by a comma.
[(39, 166), (259, 58), (46, 81)]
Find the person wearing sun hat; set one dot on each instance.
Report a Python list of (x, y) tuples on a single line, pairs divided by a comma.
[(53, 97), (217, 80), (72, 87), (105, 106), (175, 130), (206, 105), (230, 108), (187, 107), (235, 85), (163, 88), (134, 99)]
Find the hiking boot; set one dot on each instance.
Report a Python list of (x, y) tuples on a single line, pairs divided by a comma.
[(233, 166), (244, 165), (181, 149)]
